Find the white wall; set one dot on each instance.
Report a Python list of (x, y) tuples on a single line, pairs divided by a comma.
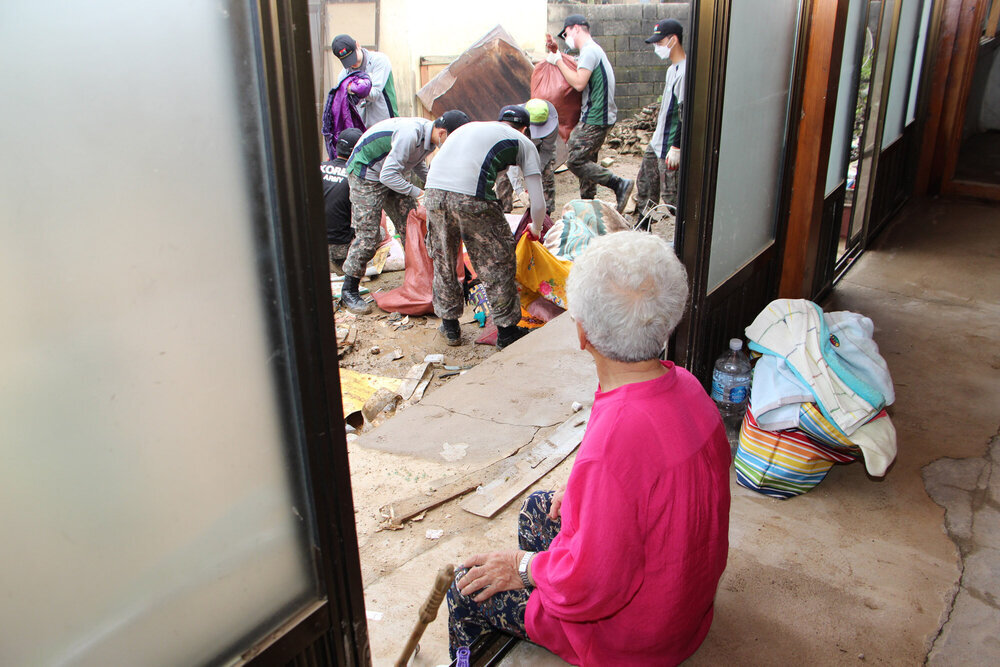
[(414, 28)]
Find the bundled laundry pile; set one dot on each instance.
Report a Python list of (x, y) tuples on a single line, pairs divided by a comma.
[(818, 397), (543, 266), (582, 221)]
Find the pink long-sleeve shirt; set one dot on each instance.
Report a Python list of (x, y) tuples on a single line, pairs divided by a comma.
[(632, 575)]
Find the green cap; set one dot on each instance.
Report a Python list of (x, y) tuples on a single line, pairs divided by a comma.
[(538, 110)]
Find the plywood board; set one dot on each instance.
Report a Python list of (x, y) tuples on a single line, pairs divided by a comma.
[(521, 471), (433, 433), (532, 382)]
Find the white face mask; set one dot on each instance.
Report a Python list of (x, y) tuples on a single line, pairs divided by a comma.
[(662, 51), (570, 43)]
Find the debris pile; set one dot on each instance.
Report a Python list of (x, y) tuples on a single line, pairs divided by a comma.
[(631, 135)]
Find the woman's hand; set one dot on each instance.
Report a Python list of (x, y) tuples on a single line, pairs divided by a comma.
[(557, 498), (491, 573)]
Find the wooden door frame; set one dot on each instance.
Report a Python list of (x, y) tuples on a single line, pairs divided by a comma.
[(705, 89), (702, 128), (823, 55), (333, 628), (957, 34)]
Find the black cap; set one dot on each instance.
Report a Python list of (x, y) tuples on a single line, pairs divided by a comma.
[(515, 114), (345, 47), (665, 28), (452, 120), (346, 140), (572, 20)]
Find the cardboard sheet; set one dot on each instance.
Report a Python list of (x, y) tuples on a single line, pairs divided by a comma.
[(356, 388)]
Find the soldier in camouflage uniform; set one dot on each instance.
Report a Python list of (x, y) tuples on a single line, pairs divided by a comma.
[(595, 78), (337, 199), (544, 131), (505, 191), (376, 169), (462, 206), (660, 163)]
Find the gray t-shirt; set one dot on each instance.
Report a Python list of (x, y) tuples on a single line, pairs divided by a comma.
[(381, 102), (475, 153), (392, 148), (599, 95), (668, 123)]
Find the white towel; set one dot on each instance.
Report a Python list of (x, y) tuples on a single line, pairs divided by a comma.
[(859, 351), (776, 394), (794, 330)]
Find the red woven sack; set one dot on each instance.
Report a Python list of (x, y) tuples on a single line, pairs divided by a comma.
[(548, 83), (415, 295)]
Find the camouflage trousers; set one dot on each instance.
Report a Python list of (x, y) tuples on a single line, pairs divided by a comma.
[(454, 218), (338, 253), (654, 181), (505, 191), (468, 620), (584, 144), (368, 199)]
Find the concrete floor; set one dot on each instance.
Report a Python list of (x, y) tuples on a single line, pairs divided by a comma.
[(902, 570)]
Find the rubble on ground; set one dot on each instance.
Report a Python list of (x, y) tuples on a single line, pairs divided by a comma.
[(630, 136)]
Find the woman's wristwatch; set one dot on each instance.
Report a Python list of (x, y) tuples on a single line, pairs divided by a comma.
[(522, 568)]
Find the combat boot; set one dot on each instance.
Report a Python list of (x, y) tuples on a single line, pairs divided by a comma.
[(623, 188), (351, 297), (451, 332), (507, 335)]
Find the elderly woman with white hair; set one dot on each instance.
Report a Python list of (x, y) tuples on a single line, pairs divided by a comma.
[(621, 567)]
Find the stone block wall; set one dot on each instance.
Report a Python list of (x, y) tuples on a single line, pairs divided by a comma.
[(621, 29)]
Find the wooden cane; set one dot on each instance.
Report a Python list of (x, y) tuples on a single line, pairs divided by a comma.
[(428, 612)]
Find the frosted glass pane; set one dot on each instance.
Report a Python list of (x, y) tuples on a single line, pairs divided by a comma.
[(918, 62), (902, 70), (148, 485), (843, 120), (762, 38)]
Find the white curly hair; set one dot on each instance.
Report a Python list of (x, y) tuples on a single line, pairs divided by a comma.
[(628, 291)]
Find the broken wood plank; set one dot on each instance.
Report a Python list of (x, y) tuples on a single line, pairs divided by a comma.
[(413, 378), (523, 469), (452, 487), (347, 344), (446, 489)]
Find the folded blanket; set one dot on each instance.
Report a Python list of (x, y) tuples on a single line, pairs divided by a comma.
[(852, 336)]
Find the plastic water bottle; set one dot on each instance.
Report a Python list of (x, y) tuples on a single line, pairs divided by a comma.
[(462, 656), (731, 381)]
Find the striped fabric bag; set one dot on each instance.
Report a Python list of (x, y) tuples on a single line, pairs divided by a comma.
[(812, 421), (783, 464)]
